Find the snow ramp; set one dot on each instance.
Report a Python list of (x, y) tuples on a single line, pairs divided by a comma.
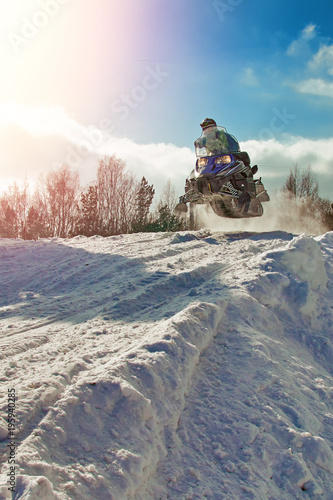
[(169, 366)]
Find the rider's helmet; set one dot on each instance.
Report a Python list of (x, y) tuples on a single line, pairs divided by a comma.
[(208, 122)]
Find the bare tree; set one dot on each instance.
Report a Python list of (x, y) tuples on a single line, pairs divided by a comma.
[(168, 197), (304, 202), (57, 195), (8, 220), (326, 209), (302, 185), (291, 185), (14, 207), (116, 188), (309, 185)]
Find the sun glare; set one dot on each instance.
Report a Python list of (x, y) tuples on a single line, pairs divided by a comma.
[(37, 120)]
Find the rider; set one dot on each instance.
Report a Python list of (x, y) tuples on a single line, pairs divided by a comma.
[(213, 138)]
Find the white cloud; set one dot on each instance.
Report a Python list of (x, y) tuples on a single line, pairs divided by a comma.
[(315, 86), (26, 153), (309, 32), (34, 140), (274, 154), (275, 159), (249, 78), (323, 59), (300, 45), (321, 64)]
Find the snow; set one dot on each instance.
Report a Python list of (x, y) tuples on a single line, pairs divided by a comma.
[(177, 366)]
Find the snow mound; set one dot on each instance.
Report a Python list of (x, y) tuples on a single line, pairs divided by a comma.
[(137, 400), (305, 279), (303, 258), (170, 366), (33, 488)]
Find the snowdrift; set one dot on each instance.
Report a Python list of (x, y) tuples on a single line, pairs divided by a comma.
[(168, 366)]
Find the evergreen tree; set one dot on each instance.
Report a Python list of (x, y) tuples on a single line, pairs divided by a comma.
[(143, 201), (87, 223), (36, 225), (166, 221)]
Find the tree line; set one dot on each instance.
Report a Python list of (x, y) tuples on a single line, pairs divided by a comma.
[(116, 203)]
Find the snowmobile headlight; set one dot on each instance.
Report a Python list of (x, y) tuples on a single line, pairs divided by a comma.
[(202, 162), (223, 159)]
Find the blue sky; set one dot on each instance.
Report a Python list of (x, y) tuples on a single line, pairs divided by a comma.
[(236, 65), (136, 78)]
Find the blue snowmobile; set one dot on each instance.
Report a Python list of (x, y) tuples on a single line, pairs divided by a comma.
[(222, 177)]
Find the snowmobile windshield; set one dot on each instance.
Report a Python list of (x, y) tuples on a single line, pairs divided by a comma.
[(215, 141)]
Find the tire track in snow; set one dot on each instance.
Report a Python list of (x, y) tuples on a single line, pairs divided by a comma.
[(76, 311), (114, 277), (159, 289)]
